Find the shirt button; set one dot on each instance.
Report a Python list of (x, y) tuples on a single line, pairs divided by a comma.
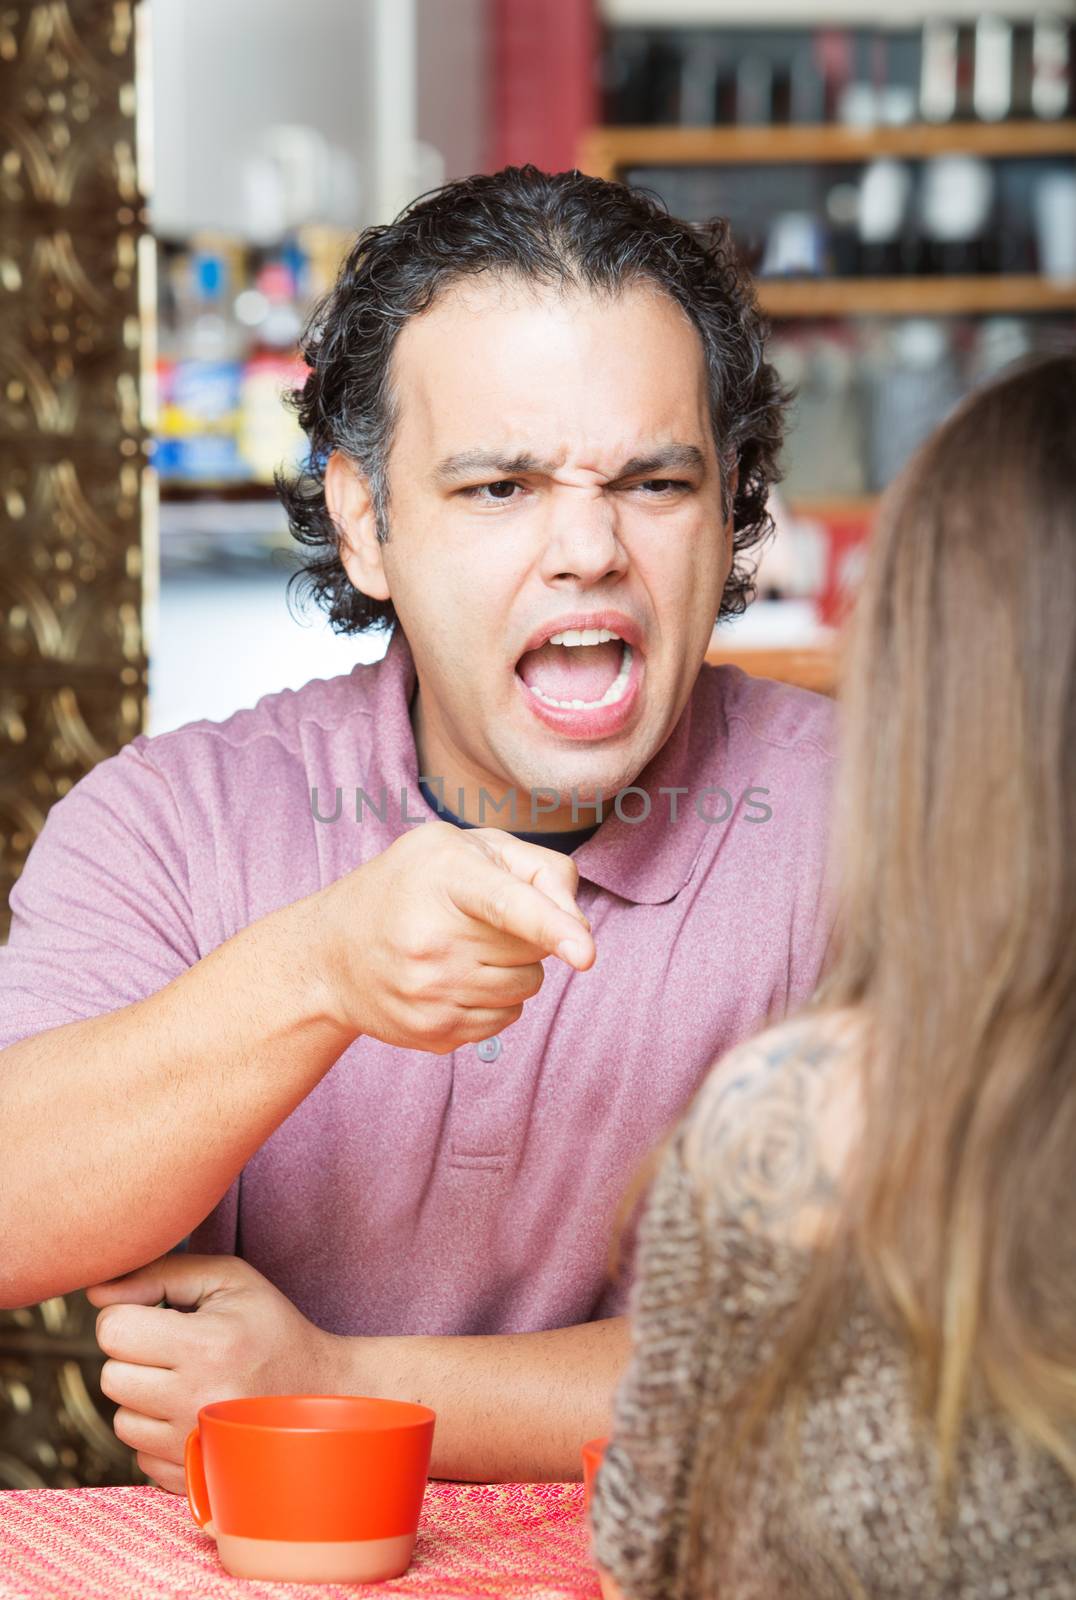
[(489, 1049)]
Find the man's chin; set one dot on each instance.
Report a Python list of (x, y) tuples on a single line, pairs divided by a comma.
[(581, 783)]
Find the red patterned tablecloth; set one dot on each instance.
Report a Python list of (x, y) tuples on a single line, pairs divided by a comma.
[(526, 1541)]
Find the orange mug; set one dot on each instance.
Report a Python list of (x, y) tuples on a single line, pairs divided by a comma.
[(310, 1488), (592, 1460)]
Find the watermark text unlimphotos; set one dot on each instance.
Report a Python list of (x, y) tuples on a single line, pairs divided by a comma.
[(632, 805)]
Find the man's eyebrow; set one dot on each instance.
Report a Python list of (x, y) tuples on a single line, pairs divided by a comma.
[(468, 462), (685, 456)]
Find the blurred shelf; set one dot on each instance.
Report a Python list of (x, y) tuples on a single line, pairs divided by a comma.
[(829, 508), (176, 491), (814, 668), (208, 532), (868, 297), (607, 151), (795, 13)]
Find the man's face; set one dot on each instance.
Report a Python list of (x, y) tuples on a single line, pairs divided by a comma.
[(553, 472)]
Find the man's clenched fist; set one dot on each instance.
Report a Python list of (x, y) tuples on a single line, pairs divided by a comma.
[(240, 1336)]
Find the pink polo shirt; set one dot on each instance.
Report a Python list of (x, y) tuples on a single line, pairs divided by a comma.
[(473, 1192)]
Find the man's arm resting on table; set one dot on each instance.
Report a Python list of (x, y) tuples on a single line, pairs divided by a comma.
[(511, 1407)]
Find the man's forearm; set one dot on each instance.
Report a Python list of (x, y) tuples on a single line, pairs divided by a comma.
[(511, 1407), (123, 1132)]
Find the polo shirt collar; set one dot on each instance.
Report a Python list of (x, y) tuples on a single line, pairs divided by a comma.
[(647, 861)]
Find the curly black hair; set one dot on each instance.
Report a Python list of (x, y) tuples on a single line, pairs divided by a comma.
[(563, 229)]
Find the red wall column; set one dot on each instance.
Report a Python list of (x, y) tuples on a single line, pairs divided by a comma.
[(544, 92)]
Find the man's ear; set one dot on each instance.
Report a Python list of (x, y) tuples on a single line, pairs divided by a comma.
[(347, 495)]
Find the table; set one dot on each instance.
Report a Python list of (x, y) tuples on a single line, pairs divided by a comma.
[(522, 1541)]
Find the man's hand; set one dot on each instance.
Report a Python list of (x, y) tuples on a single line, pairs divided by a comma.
[(242, 1338), (509, 1406), (438, 941)]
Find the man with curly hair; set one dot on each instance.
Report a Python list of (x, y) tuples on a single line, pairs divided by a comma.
[(393, 1079)]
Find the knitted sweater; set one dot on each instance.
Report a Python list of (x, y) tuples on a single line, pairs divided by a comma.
[(857, 1517)]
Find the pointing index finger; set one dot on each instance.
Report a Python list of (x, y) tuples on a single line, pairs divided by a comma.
[(554, 873), (496, 896)]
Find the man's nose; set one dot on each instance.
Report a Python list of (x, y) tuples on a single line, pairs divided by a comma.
[(582, 543)]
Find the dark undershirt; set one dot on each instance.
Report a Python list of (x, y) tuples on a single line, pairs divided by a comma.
[(565, 842)]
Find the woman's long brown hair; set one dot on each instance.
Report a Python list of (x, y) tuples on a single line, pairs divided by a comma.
[(955, 839)]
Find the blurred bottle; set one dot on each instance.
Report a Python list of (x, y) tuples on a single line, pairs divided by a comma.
[(269, 431), (795, 246), (911, 385), (620, 76), (807, 89), (792, 565), (200, 415), (896, 105), (656, 90), (642, 77), (725, 104), (859, 106), (938, 72), (956, 204), (1051, 66), (997, 343), (965, 72), (324, 249), (1013, 226), (842, 213), (859, 102), (700, 65), (884, 195), (781, 101), (833, 56), (899, 86), (993, 82), (167, 316), (823, 455), (169, 270), (1054, 203), (754, 89), (1021, 70)]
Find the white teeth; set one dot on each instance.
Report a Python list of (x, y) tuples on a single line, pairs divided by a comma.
[(578, 636), (614, 692)]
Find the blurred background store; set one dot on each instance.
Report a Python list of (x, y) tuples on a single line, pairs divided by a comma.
[(902, 179)]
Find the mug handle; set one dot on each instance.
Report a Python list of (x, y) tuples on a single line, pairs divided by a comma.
[(194, 1475)]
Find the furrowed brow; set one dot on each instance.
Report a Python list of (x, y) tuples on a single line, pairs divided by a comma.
[(685, 456), (469, 463), (466, 463)]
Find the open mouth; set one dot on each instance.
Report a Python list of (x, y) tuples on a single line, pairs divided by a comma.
[(579, 669)]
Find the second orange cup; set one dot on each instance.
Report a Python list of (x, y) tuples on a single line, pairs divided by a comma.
[(593, 1451)]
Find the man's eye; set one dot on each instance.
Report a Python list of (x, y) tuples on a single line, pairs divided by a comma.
[(503, 489), (662, 485)]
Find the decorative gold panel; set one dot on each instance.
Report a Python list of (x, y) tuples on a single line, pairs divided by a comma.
[(72, 448), (54, 1424), (73, 496)]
